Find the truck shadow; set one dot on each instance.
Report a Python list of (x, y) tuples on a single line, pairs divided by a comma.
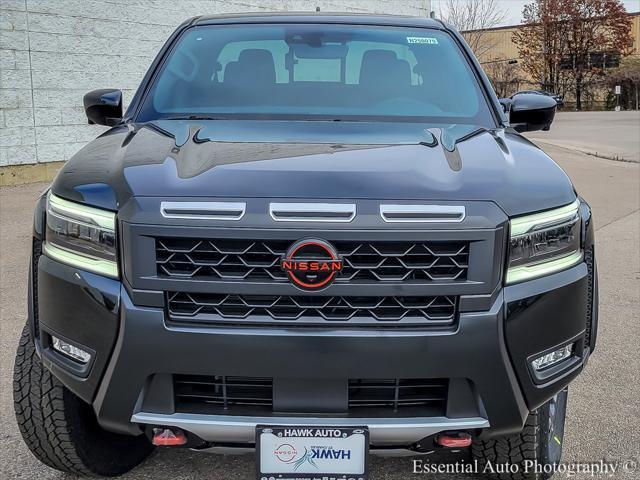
[(184, 464)]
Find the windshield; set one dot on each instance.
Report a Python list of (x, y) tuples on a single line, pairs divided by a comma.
[(337, 72)]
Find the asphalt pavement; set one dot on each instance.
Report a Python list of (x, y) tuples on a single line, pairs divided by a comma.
[(604, 408), (614, 135)]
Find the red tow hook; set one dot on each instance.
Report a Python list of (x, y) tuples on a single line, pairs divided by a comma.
[(453, 440), (167, 437)]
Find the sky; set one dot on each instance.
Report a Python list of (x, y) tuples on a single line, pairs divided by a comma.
[(513, 8)]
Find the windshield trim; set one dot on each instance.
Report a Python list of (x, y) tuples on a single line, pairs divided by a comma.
[(319, 118), (159, 63)]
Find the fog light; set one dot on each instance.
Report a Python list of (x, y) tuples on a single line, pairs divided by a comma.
[(69, 350), (552, 358)]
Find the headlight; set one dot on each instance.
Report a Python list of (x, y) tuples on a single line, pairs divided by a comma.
[(81, 236), (544, 243)]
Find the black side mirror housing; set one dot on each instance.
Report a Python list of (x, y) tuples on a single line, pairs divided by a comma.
[(530, 112), (103, 107)]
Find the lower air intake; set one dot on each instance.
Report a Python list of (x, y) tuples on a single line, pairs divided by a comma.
[(417, 396), (368, 398)]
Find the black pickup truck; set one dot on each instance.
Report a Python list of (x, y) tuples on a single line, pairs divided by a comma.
[(316, 237)]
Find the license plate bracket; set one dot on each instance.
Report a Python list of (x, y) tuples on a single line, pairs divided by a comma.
[(311, 452)]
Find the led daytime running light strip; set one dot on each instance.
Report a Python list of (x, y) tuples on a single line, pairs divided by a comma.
[(526, 272), (89, 215), (530, 223), (95, 265)]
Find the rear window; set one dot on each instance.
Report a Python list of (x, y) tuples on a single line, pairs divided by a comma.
[(317, 72)]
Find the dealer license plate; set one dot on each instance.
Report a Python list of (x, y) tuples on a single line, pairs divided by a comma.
[(312, 453)]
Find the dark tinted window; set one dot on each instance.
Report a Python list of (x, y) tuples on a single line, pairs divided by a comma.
[(317, 71)]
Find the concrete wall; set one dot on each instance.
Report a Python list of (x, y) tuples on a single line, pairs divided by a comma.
[(53, 51)]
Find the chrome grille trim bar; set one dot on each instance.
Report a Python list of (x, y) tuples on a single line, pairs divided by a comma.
[(241, 429), (312, 212), (204, 210), (422, 213)]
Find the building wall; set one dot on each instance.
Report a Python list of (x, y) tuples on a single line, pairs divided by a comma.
[(53, 51), (503, 48), (635, 31)]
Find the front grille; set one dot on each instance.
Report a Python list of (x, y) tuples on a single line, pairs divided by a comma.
[(439, 310), (398, 394), (226, 395), (232, 260)]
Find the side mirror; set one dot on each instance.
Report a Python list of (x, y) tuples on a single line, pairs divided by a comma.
[(103, 107), (530, 112)]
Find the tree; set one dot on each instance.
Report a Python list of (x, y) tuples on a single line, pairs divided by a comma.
[(627, 75), (541, 44), (473, 18), (572, 38), (595, 27), (504, 76)]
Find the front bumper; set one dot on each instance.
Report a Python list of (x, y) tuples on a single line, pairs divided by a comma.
[(485, 357), (137, 352)]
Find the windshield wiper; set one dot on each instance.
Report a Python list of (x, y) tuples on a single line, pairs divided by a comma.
[(192, 117)]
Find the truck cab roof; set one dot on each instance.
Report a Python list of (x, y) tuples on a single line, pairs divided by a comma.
[(319, 17)]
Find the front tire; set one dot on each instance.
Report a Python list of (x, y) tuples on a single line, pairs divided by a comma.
[(60, 429), (539, 444)]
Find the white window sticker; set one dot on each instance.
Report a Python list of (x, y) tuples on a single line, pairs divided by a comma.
[(423, 40)]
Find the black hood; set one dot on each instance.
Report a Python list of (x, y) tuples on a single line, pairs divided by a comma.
[(314, 160)]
